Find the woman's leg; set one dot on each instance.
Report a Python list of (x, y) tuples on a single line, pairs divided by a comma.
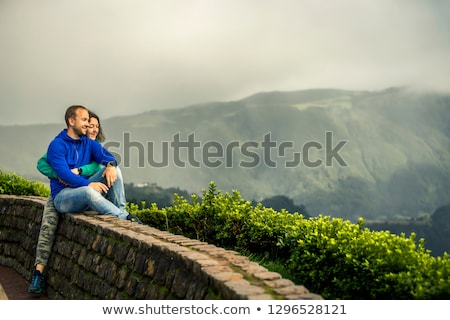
[(47, 233)]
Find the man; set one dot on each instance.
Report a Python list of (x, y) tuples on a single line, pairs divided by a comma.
[(71, 193)]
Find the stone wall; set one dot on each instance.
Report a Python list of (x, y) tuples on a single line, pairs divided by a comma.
[(102, 257)]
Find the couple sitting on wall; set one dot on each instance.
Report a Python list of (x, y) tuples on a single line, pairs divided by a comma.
[(83, 176)]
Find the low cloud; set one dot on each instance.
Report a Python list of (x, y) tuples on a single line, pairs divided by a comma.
[(120, 57)]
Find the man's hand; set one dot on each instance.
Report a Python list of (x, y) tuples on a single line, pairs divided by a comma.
[(99, 187), (110, 174)]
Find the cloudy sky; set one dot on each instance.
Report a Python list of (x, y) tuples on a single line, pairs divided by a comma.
[(122, 57)]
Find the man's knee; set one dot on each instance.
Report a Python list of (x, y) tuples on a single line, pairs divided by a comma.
[(90, 194), (119, 173)]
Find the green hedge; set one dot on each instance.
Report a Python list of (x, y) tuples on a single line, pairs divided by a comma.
[(11, 183), (335, 258)]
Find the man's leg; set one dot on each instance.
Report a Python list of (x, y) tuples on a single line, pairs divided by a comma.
[(75, 200), (47, 233), (116, 193)]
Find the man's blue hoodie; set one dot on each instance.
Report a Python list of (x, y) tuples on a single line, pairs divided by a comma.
[(65, 153)]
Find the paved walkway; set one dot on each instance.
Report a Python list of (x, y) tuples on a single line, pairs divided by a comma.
[(14, 287)]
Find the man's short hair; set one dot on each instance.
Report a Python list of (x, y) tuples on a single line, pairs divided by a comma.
[(71, 112)]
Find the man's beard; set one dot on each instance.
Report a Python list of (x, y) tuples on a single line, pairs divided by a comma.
[(78, 132)]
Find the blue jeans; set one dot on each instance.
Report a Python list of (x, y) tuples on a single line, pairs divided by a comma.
[(75, 200)]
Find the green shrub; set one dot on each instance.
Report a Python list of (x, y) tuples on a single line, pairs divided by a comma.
[(347, 261), (11, 183), (151, 216), (335, 258)]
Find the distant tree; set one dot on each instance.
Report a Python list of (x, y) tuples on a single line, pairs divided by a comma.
[(152, 193), (279, 202), (441, 217), (440, 225)]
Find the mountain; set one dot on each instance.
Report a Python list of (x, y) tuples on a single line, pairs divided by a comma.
[(378, 155)]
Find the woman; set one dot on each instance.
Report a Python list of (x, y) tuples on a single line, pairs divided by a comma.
[(50, 216)]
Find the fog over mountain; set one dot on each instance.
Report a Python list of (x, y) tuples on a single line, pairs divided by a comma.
[(128, 57), (375, 154)]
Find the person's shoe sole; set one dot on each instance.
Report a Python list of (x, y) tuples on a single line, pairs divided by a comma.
[(35, 293)]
